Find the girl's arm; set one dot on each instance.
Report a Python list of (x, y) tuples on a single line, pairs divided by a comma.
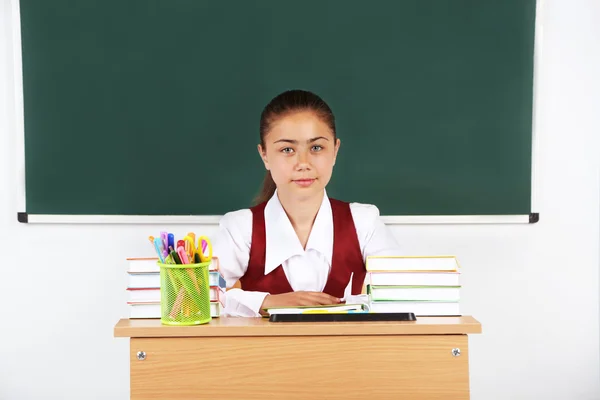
[(374, 237), (231, 245)]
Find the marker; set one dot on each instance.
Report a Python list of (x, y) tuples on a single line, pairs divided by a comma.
[(171, 241), (176, 257), (182, 255), (165, 246), (158, 246)]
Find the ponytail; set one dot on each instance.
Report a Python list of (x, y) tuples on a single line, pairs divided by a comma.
[(267, 190)]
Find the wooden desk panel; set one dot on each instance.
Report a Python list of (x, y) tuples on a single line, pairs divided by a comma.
[(301, 368)]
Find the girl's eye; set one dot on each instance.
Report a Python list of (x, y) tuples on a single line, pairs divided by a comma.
[(317, 148), (287, 150)]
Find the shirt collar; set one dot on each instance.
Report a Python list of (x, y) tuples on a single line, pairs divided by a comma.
[(282, 242)]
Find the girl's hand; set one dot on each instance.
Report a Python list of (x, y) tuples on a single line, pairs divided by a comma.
[(298, 299)]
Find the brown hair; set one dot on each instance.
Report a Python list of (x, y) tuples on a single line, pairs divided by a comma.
[(286, 103)]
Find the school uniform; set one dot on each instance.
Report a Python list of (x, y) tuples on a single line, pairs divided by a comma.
[(259, 247)]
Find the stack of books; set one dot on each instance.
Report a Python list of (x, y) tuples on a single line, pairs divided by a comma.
[(143, 288), (423, 285)]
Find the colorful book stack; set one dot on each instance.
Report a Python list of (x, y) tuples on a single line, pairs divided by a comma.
[(423, 285), (143, 288)]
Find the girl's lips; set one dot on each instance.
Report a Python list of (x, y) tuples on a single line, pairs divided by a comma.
[(304, 182)]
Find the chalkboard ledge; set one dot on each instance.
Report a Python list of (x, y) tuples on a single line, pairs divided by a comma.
[(24, 217)]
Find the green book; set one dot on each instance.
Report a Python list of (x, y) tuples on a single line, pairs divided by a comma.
[(413, 293)]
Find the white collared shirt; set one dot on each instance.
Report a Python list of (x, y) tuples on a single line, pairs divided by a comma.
[(306, 270)]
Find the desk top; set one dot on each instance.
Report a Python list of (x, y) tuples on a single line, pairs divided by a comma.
[(237, 326)]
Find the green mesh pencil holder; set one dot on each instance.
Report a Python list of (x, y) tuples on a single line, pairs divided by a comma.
[(184, 294)]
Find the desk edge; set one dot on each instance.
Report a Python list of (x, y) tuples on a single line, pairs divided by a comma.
[(121, 329)]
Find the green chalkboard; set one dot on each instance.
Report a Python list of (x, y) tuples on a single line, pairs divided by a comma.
[(144, 107)]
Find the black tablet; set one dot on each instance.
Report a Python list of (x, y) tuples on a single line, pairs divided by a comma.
[(333, 317)]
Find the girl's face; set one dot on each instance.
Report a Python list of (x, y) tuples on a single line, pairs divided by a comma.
[(300, 153)]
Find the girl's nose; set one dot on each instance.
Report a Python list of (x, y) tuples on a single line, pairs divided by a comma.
[(302, 161)]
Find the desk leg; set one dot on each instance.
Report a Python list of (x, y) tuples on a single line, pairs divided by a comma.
[(417, 367)]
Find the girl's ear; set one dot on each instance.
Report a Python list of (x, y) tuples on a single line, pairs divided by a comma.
[(335, 150), (263, 155)]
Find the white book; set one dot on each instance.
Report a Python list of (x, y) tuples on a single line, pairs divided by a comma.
[(143, 295), (152, 310), (142, 264), (144, 310), (154, 295), (150, 264), (419, 308), (152, 280), (446, 278), (143, 280), (412, 263), (439, 293)]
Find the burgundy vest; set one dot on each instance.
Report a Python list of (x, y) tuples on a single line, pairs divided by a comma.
[(346, 258)]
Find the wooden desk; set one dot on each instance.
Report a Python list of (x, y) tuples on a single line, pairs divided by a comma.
[(252, 358)]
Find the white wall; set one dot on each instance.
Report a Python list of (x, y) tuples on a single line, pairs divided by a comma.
[(534, 287)]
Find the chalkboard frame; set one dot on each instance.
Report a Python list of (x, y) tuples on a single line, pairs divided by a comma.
[(27, 218)]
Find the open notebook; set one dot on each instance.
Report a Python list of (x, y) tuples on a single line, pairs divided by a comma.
[(334, 308)]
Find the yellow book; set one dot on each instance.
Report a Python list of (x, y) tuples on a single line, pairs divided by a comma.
[(412, 263)]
